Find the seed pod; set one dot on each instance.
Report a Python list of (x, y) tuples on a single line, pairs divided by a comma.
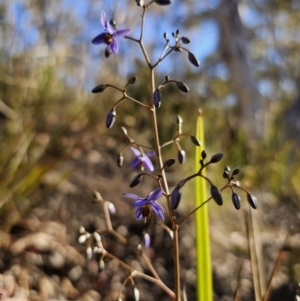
[(216, 158), (99, 89), (252, 200), (193, 60), (182, 87), (175, 197), (181, 156), (110, 118), (157, 98), (97, 236), (203, 154), (235, 172), (163, 2), (146, 240), (132, 80), (169, 163), (82, 238), (227, 168), (195, 141), (185, 40), (120, 160), (136, 180), (136, 294), (89, 252), (216, 195), (236, 200)]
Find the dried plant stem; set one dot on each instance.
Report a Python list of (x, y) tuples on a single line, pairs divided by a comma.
[(276, 267)]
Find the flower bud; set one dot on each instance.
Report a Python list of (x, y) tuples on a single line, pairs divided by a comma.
[(89, 252), (101, 265), (182, 87), (97, 236), (99, 89), (181, 156), (136, 180), (216, 195), (157, 98), (163, 2), (226, 175), (82, 239), (111, 207), (195, 141), (132, 80), (146, 240), (216, 158), (235, 172), (110, 118), (169, 163), (193, 60), (236, 200), (140, 2), (136, 294), (185, 40), (227, 168), (252, 200), (120, 160), (175, 197)]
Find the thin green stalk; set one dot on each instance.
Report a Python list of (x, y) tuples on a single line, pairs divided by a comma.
[(203, 257)]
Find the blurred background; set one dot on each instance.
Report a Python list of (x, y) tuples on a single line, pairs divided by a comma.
[(55, 149)]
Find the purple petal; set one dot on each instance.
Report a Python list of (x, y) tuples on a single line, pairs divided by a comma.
[(154, 195), (135, 163), (105, 23), (122, 32), (99, 39), (150, 154), (140, 202), (138, 213), (135, 151), (147, 162), (133, 196), (158, 209), (114, 46)]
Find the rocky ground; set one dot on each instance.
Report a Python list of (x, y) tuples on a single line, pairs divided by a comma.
[(41, 258)]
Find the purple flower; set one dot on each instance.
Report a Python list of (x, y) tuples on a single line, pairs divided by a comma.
[(142, 160), (144, 206), (109, 36)]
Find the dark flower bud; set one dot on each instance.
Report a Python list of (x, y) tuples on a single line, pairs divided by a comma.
[(181, 156), (216, 195), (110, 118), (236, 200), (193, 59), (99, 89), (226, 175), (163, 2), (169, 163), (136, 180), (177, 33), (120, 160), (140, 2), (235, 172), (183, 87), (107, 53), (216, 158), (252, 200), (113, 23), (195, 141), (185, 40), (136, 294), (167, 78), (179, 120), (157, 98), (132, 80), (203, 154), (175, 197)]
